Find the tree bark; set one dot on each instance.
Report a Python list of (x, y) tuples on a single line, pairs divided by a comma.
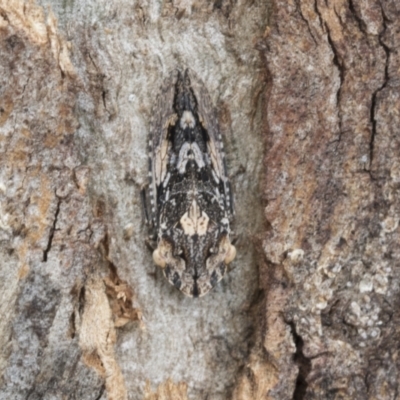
[(307, 104), (86, 314), (331, 183)]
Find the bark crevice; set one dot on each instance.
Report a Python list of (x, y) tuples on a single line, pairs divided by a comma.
[(303, 364), (102, 389), (360, 22), (341, 70), (52, 231), (375, 94), (300, 12)]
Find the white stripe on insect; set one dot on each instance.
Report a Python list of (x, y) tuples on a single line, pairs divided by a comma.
[(187, 120), (189, 151), (166, 180)]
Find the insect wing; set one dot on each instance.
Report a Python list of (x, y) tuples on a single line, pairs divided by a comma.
[(163, 116), (208, 118), (189, 189)]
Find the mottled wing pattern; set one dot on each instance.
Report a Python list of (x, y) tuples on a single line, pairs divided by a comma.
[(163, 114), (208, 118), (190, 193)]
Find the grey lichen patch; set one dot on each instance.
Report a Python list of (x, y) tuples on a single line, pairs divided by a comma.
[(65, 185), (127, 53), (36, 309)]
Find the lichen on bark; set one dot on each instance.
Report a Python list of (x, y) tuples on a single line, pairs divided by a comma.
[(309, 310), (79, 83)]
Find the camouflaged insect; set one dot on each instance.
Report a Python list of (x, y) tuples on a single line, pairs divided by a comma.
[(190, 193)]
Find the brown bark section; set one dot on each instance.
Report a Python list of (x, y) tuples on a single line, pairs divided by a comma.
[(326, 313), (165, 391), (332, 187), (55, 323)]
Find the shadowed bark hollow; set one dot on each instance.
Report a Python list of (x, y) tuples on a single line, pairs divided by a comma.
[(307, 97)]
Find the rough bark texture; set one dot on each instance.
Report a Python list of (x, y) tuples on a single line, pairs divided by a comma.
[(310, 309), (332, 186), (85, 314)]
